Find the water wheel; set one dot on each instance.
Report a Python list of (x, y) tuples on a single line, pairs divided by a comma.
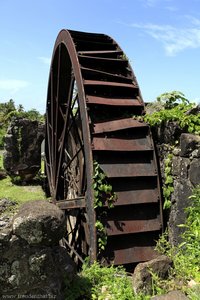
[(92, 97)]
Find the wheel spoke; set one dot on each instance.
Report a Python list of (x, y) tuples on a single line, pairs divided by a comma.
[(48, 127), (64, 135), (76, 127), (75, 155)]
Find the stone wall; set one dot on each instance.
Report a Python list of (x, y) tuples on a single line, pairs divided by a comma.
[(185, 150), (186, 174)]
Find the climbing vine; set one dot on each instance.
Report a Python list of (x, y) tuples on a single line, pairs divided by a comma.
[(168, 181), (103, 195), (102, 190)]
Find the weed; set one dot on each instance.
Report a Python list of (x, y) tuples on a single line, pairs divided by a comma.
[(186, 256), (96, 282), (108, 282)]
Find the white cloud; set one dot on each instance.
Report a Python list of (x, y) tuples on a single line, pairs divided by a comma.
[(13, 85), (150, 3), (153, 3), (171, 8), (174, 39), (45, 60)]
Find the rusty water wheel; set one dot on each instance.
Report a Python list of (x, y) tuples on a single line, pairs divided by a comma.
[(92, 96)]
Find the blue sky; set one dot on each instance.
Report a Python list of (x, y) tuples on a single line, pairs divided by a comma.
[(160, 37)]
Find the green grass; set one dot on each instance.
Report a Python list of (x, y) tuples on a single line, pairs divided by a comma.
[(20, 194)]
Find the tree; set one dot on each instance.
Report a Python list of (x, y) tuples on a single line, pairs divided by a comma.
[(8, 110), (20, 108), (171, 99), (33, 114)]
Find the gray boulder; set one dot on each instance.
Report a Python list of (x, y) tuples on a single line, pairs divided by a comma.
[(194, 172), (173, 295), (142, 276), (35, 271), (181, 200), (188, 143), (39, 222), (31, 260)]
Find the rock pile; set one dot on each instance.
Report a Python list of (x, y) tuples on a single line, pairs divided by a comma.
[(31, 261)]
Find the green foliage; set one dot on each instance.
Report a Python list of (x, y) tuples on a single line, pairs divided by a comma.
[(186, 256), (102, 190), (101, 233), (104, 195), (79, 288), (172, 99), (33, 114), (168, 183), (108, 282), (175, 108), (8, 110), (163, 246), (7, 107), (158, 284), (96, 282), (194, 292)]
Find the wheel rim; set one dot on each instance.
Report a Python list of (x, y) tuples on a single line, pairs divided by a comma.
[(68, 155)]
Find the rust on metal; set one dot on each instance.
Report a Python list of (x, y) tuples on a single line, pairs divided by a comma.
[(136, 197), (132, 170), (112, 102), (119, 144), (99, 74), (92, 96), (116, 125), (133, 226), (134, 255), (113, 63), (113, 84)]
